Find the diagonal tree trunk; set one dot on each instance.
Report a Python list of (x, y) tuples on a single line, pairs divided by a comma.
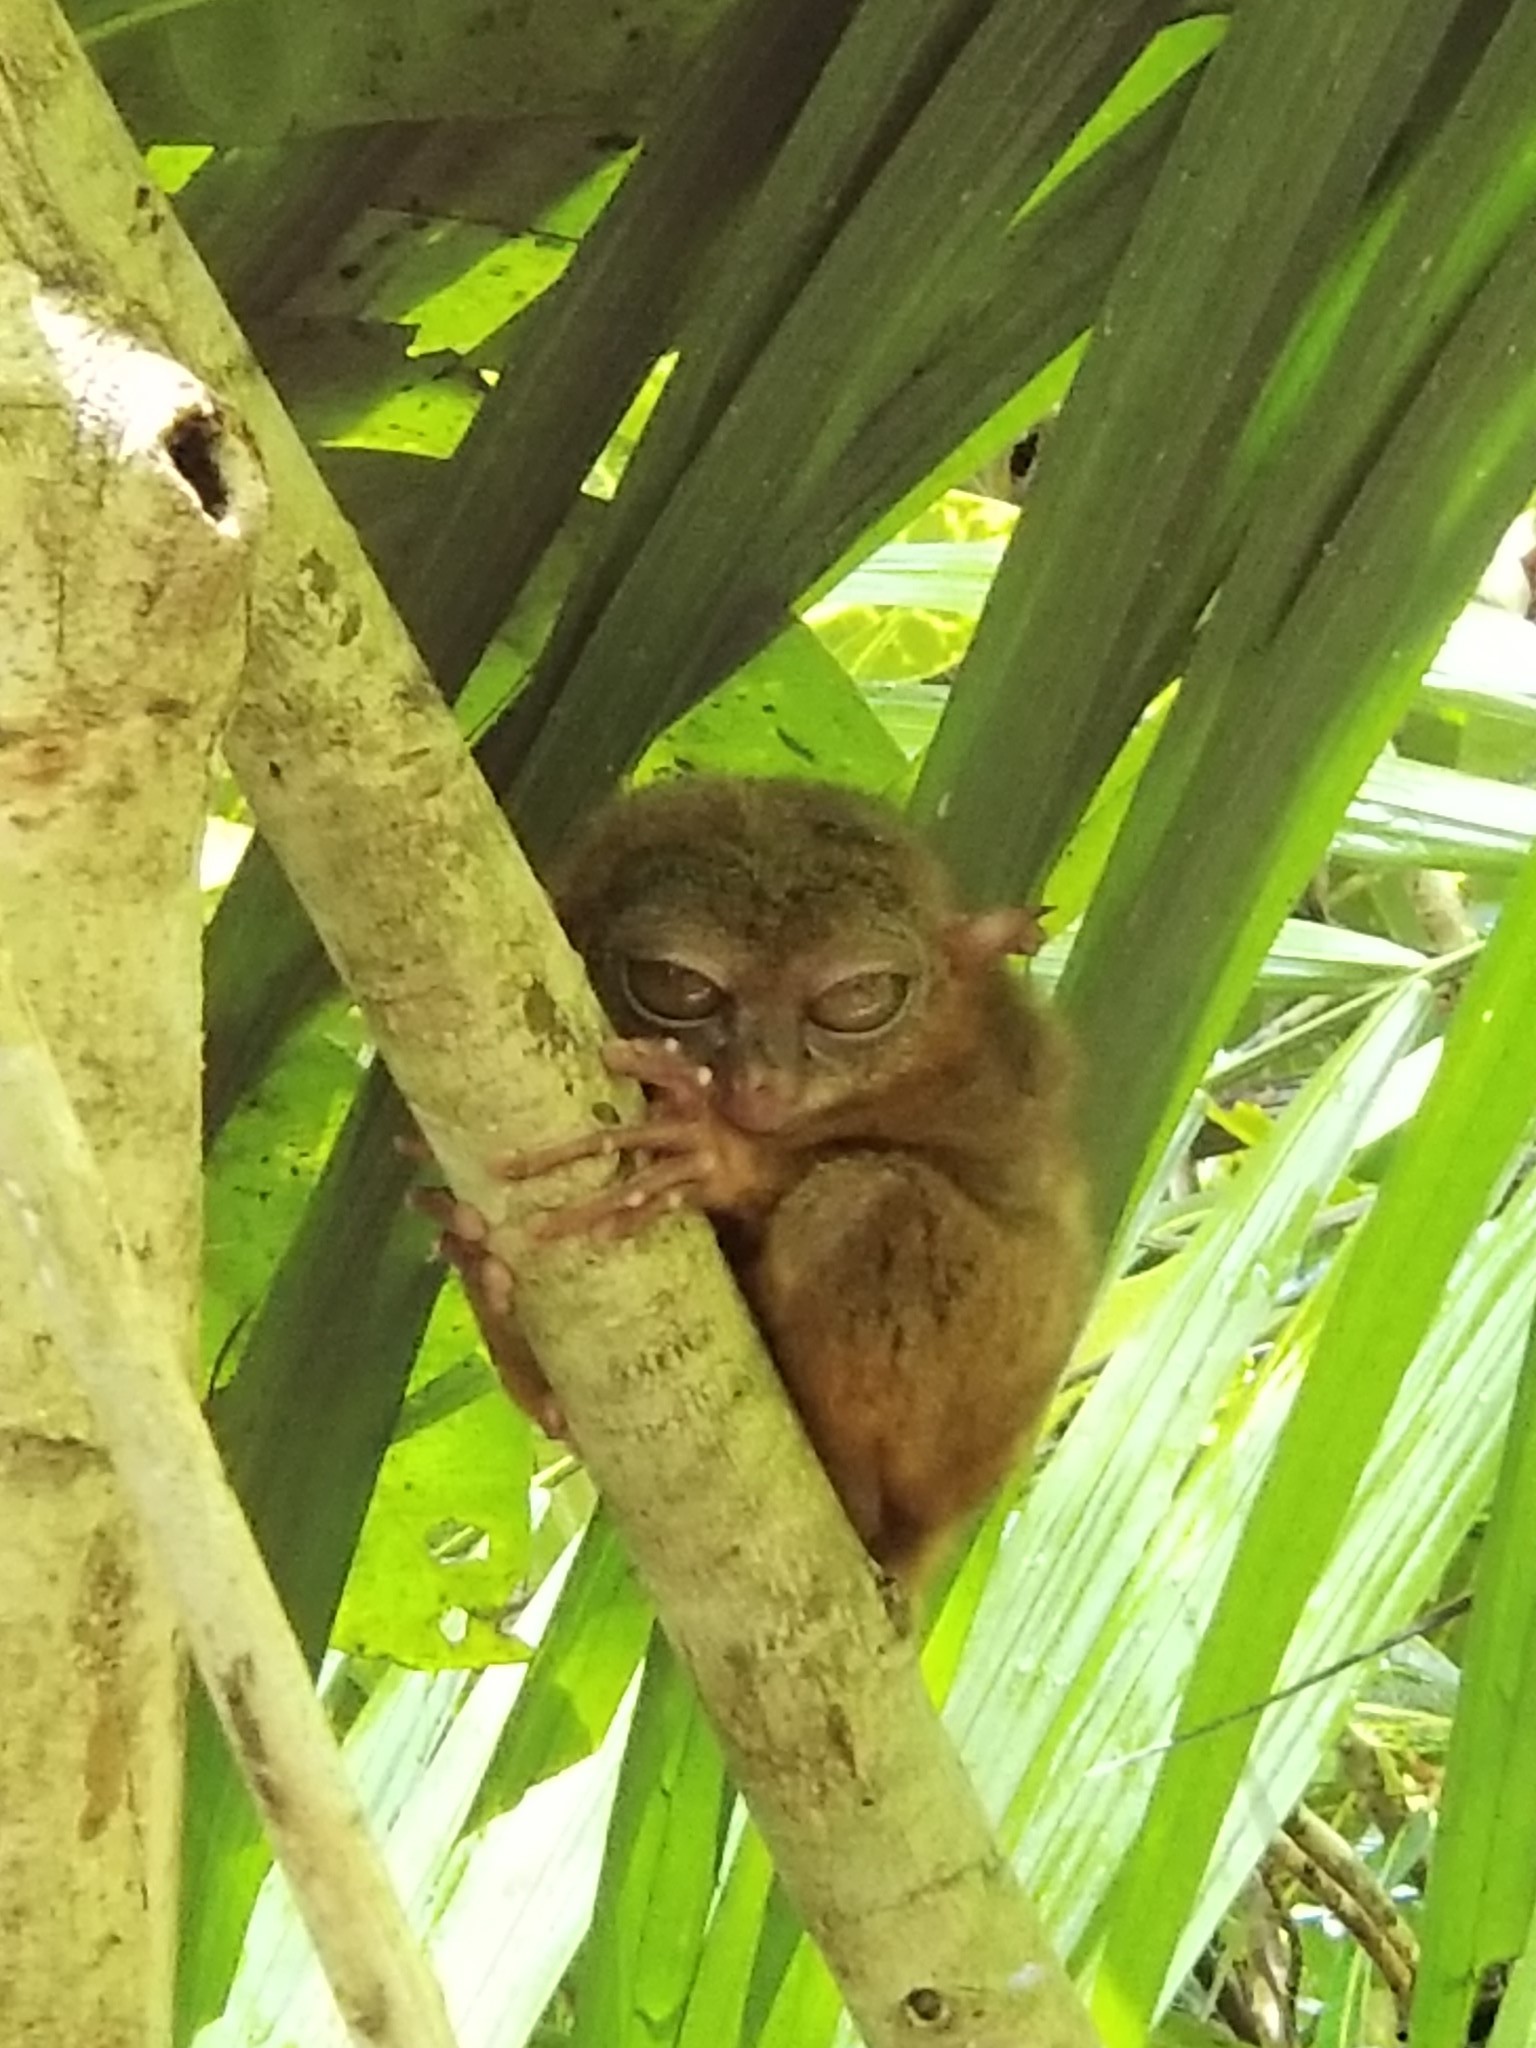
[(360, 783)]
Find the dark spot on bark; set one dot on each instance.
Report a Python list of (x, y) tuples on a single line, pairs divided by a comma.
[(97, 1628), (193, 447), (234, 1690), (893, 1598), (926, 2006), (320, 573), (840, 1735), (235, 1685), (27, 1457), (541, 1015)]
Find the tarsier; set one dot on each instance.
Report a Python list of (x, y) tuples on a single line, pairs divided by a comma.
[(845, 1077)]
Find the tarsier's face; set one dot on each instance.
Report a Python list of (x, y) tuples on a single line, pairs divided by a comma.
[(791, 945), (787, 1036)]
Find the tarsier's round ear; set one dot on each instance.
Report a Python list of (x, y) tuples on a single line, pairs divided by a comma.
[(990, 935)]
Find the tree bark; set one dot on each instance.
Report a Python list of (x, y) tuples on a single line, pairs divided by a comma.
[(122, 624), (366, 794), (102, 1320)]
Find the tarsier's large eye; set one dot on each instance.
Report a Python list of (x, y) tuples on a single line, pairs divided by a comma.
[(668, 993), (864, 1002)]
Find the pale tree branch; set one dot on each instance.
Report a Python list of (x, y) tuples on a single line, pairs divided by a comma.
[(364, 791), (97, 1313)]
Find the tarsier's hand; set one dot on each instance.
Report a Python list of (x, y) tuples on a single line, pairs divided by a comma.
[(690, 1156)]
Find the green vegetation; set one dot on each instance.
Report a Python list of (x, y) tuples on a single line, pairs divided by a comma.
[(1278, 274)]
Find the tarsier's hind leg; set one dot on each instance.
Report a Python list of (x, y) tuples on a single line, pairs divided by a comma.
[(891, 1303)]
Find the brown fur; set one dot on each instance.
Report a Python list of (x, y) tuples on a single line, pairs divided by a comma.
[(903, 1208)]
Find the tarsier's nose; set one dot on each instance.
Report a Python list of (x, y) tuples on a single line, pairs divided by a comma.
[(758, 1098)]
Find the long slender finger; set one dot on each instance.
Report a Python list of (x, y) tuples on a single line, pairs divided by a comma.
[(626, 1208), (414, 1146), (659, 1063), (661, 1134), (600, 1144)]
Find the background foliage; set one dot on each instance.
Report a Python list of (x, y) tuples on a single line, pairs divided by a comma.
[(647, 348)]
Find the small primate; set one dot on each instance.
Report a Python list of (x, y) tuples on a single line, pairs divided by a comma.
[(845, 1077)]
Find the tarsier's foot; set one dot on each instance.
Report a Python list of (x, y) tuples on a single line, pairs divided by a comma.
[(462, 1240), (462, 1232), (688, 1154)]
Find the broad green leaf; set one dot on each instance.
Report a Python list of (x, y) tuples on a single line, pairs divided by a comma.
[(586, 1659), (1479, 1103), (1095, 1508), (262, 1171), (1481, 1898), (1322, 632), (660, 1869), (1119, 553), (1410, 813), (793, 710), (718, 2000), (356, 387), (444, 1546), (894, 644)]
